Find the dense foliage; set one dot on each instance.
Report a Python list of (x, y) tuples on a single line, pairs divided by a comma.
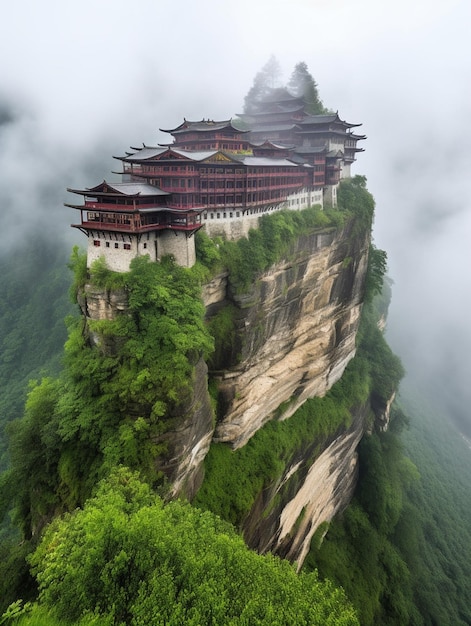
[(302, 84), (128, 559), (247, 258), (354, 198), (112, 400), (33, 306), (433, 533)]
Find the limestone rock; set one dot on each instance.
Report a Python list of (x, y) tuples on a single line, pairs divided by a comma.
[(307, 495), (296, 333)]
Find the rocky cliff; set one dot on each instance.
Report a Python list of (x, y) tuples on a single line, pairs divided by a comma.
[(293, 335), (294, 331)]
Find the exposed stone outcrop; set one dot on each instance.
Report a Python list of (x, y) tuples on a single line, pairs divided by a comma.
[(295, 332), (285, 517), (188, 439)]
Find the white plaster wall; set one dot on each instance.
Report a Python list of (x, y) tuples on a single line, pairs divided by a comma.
[(179, 245), (345, 171), (330, 195), (112, 249), (147, 245), (237, 222)]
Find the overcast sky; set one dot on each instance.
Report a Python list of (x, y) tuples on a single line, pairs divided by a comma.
[(80, 82)]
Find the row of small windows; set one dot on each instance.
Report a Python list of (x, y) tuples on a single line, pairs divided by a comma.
[(126, 246), (162, 168), (224, 215), (157, 169)]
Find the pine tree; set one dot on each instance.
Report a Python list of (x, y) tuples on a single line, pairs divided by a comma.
[(265, 80), (302, 84)]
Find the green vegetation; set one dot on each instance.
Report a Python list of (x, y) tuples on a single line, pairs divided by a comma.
[(301, 84), (433, 533), (221, 328), (33, 306), (358, 551), (112, 401), (354, 198), (125, 558), (401, 550), (247, 258)]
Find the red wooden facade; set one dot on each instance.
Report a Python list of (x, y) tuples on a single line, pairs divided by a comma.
[(215, 164)]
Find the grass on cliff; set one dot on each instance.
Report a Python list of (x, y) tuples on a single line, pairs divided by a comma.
[(271, 241), (248, 257), (234, 478)]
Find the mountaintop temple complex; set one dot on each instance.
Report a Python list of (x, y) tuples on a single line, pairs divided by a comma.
[(217, 175)]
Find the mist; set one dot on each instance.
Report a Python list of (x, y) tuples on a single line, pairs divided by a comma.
[(83, 82)]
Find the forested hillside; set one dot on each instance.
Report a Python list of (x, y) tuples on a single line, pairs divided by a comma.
[(34, 287), (402, 549)]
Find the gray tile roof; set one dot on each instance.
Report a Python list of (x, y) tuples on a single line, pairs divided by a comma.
[(131, 189)]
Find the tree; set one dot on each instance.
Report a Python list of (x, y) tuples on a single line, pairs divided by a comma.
[(265, 80), (129, 558), (302, 84)]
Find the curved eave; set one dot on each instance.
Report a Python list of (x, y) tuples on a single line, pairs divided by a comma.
[(325, 131), (188, 126), (189, 229)]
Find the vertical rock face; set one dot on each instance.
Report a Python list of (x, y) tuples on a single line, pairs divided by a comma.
[(307, 495), (295, 333), (189, 438)]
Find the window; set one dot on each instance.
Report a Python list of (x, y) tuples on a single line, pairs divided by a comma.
[(96, 243), (107, 244), (127, 246), (116, 245), (145, 245)]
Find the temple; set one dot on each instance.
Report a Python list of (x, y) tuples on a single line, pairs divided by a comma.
[(217, 175)]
